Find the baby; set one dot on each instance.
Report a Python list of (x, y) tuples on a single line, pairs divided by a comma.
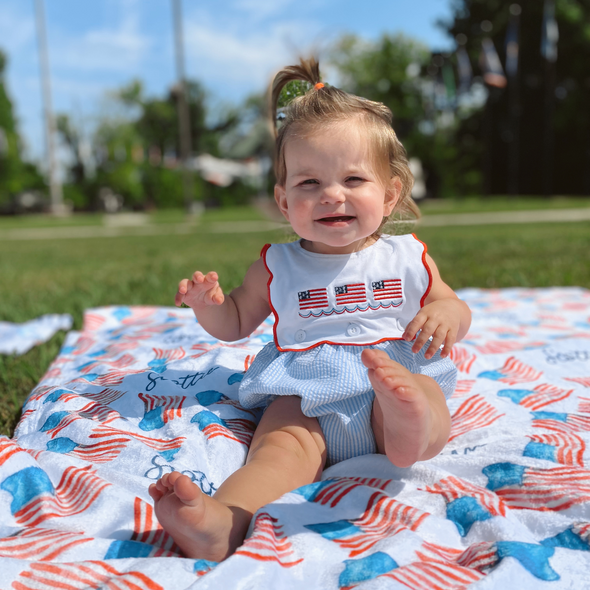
[(360, 318)]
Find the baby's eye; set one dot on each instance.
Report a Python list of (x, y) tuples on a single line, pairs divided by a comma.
[(354, 179), (310, 181)]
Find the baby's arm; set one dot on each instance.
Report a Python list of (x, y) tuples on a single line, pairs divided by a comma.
[(227, 317), (444, 317)]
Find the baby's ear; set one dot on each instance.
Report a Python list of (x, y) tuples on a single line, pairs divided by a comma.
[(281, 199), (392, 195)]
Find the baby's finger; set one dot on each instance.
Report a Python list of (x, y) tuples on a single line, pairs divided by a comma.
[(198, 277), (414, 327), (425, 333), (449, 343), (182, 291), (437, 339), (218, 298), (212, 296), (183, 286), (211, 277)]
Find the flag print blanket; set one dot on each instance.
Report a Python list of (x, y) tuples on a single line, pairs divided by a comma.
[(140, 392)]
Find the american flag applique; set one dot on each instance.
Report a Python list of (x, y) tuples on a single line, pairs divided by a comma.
[(387, 289), (312, 298), (346, 294)]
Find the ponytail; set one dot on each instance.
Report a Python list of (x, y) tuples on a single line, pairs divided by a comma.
[(307, 71)]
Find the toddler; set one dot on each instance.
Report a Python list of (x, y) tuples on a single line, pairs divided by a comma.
[(356, 365)]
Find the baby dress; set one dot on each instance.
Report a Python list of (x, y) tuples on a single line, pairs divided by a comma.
[(328, 308)]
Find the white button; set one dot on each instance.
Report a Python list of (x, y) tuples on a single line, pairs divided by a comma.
[(353, 330), (300, 335)]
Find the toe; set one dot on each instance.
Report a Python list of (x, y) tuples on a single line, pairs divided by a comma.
[(163, 481), (373, 358), (154, 492), (160, 486), (171, 478), (187, 491)]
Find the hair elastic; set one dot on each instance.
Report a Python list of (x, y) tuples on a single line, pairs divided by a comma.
[(319, 85)]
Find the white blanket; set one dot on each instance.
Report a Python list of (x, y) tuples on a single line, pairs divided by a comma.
[(144, 391), (19, 338)]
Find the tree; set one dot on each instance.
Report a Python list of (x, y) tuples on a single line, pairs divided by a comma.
[(552, 116), (136, 147), (393, 70), (157, 120), (385, 71), (16, 175)]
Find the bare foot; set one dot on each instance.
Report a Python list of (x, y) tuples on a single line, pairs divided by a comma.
[(403, 428), (201, 526)]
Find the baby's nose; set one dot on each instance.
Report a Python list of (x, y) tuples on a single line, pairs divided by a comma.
[(333, 193)]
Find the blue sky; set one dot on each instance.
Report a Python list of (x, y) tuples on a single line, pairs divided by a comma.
[(232, 46)]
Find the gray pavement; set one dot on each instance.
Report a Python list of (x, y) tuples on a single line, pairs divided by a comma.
[(501, 217)]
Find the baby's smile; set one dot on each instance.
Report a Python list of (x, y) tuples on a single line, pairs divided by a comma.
[(337, 219)]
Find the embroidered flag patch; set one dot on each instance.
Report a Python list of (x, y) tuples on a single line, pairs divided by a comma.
[(387, 289), (350, 294), (313, 298)]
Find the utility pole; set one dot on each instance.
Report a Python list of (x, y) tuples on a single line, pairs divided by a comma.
[(184, 127), (55, 190)]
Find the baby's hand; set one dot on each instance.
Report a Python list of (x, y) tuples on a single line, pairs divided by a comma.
[(441, 320), (200, 291)]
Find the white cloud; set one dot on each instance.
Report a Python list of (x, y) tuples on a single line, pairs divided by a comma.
[(230, 53), (118, 48)]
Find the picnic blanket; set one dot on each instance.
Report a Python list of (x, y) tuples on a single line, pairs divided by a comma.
[(19, 338), (144, 391)]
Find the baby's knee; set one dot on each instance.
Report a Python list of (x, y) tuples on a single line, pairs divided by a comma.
[(306, 445), (287, 433)]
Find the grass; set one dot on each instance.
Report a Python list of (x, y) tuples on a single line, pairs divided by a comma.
[(175, 216), (501, 203), (68, 276), (170, 216)]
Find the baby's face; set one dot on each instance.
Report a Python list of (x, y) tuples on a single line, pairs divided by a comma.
[(333, 197)]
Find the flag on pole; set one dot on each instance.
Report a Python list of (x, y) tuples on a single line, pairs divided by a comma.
[(493, 74), (550, 33)]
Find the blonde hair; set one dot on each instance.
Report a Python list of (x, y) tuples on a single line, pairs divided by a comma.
[(322, 105)]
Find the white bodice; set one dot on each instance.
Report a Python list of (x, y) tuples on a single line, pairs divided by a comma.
[(353, 299)]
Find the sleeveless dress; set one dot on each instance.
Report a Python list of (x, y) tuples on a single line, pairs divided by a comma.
[(328, 309)]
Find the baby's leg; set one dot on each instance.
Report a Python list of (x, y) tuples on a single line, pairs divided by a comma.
[(288, 450), (410, 419)]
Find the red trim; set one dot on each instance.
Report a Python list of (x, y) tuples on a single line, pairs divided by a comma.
[(274, 311), (270, 278), (427, 270), (334, 344)]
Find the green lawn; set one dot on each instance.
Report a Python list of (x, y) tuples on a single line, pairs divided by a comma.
[(432, 207), (503, 203), (70, 275)]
